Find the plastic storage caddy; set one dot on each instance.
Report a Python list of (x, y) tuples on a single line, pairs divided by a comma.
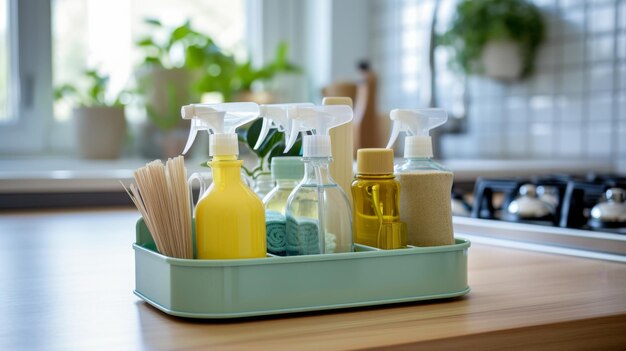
[(273, 285)]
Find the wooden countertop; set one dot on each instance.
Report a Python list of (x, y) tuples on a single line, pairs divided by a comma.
[(66, 281)]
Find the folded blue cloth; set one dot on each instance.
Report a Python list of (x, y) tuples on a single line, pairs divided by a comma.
[(275, 232), (302, 236)]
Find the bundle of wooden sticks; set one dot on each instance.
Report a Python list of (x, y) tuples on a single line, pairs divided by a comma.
[(162, 196)]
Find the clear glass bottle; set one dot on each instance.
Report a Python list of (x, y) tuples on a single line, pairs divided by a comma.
[(287, 172), (419, 164), (263, 184), (319, 218), (376, 199)]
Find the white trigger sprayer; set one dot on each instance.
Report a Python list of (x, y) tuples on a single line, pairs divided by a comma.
[(277, 116), (221, 120), (417, 125), (318, 120)]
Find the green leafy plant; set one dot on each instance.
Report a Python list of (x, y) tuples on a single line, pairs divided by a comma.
[(194, 55), (245, 73), (93, 95), (214, 69), (200, 51), (220, 71), (478, 22)]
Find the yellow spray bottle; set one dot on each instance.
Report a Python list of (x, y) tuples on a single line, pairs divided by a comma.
[(230, 218)]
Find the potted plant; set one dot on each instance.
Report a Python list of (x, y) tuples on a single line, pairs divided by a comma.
[(245, 76), (498, 38), (175, 60), (178, 69), (100, 123)]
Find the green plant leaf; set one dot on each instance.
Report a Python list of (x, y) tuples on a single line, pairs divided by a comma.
[(152, 60), (273, 137), (93, 94), (251, 133), (195, 56), (65, 91), (153, 21), (180, 32), (146, 42)]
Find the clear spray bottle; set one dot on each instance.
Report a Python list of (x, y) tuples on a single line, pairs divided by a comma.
[(274, 116), (425, 185), (287, 172), (230, 219), (319, 216)]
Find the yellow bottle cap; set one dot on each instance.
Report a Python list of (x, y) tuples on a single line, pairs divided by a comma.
[(374, 161)]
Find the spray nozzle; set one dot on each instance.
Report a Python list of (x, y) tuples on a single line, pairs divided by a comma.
[(221, 120), (417, 125), (277, 116), (318, 120)]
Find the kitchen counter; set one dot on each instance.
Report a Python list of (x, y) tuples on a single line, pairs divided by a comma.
[(67, 281)]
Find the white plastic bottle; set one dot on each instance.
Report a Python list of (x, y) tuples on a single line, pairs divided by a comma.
[(425, 185)]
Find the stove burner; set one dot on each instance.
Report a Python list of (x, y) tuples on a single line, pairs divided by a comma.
[(485, 192), (572, 199)]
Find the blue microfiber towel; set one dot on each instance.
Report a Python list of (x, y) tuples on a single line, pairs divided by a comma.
[(302, 237), (275, 229)]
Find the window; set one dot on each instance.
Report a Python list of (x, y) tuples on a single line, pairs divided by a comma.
[(5, 62), (102, 35), (27, 93), (47, 43)]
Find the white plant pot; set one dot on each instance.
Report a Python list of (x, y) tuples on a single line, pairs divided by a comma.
[(502, 60), (100, 131), (164, 92)]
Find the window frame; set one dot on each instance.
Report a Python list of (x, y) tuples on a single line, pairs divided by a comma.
[(30, 82)]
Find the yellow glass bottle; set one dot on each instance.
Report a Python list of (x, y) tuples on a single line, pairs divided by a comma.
[(230, 218), (376, 196)]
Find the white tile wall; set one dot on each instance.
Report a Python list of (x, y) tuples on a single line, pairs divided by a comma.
[(574, 106)]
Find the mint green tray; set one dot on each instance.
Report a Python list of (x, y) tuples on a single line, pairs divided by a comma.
[(273, 285)]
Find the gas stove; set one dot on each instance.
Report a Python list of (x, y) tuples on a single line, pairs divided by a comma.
[(579, 215)]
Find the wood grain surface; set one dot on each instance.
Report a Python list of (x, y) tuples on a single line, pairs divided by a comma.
[(66, 281)]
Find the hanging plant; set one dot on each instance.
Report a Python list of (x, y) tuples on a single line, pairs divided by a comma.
[(479, 23)]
